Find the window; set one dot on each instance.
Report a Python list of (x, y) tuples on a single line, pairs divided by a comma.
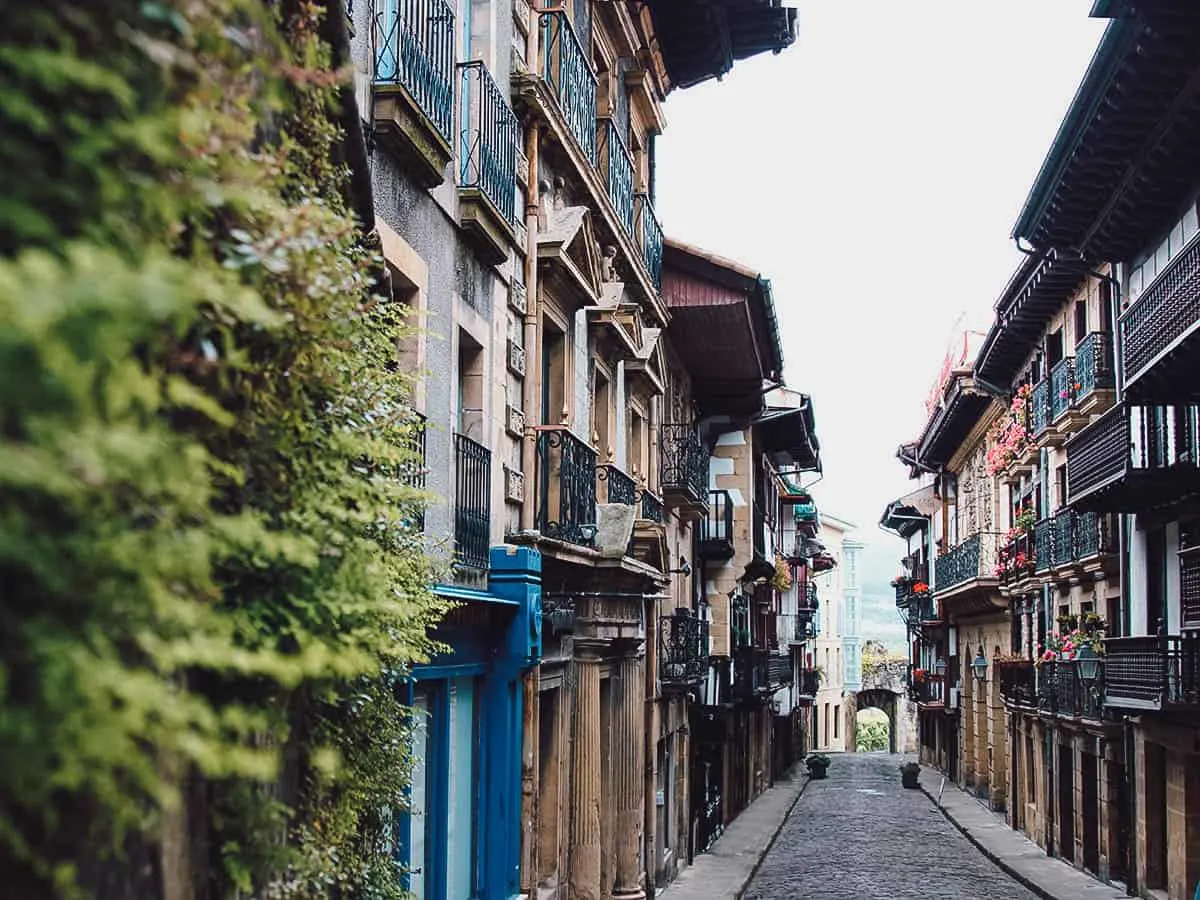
[(460, 787), (418, 819), (1054, 349), (826, 741), (1081, 321), (554, 374), (1060, 486), (837, 715), (601, 415), (470, 388)]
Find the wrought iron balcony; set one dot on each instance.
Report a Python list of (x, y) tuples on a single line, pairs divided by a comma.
[(1062, 387), (684, 466), (472, 502), (616, 166), (1043, 544), (716, 528), (1133, 458), (1153, 673), (651, 238), (487, 151), (652, 507), (1038, 412), (809, 682), (1071, 537), (972, 560), (1018, 558), (568, 73), (1017, 684), (414, 469), (684, 648), (1093, 366), (566, 486), (1158, 332), (751, 675), (415, 53), (799, 627), (1063, 693), (614, 486)]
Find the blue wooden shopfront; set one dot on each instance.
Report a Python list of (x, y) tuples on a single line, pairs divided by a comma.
[(461, 838)]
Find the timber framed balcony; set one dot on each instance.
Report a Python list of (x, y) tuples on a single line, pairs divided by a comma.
[(414, 91), (614, 486), (1160, 673), (1160, 334), (1062, 692), (472, 502), (683, 469), (487, 162), (1094, 377), (716, 528), (1134, 458), (683, 642), (616, 167), (566, 487), (568, 73), (967, 573)]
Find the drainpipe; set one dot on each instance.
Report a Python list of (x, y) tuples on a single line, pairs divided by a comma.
[(650, 762), (532, 336)]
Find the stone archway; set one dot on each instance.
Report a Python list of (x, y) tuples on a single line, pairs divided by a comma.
[(883, 687)]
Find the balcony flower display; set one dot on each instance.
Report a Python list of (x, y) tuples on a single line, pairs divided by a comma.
[(918, 675), (1008, 438), (782, 579), (920, 587), (1011, 561), (1026, 518), (1067, 644)]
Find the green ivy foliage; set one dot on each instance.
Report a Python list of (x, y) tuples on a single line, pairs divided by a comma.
[(210, 580)]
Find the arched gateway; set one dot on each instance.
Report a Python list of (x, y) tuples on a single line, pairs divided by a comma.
[(883, 687)]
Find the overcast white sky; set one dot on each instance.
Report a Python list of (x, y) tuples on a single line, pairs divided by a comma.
[(873, 172)]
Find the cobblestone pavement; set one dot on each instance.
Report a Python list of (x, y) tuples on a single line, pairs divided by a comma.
[(859, 834)]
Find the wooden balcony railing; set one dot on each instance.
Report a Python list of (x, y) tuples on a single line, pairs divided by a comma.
[(750, 671), (1038, 412), (1154, 673)]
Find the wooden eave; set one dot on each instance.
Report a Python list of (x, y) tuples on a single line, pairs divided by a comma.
[(949, 427)]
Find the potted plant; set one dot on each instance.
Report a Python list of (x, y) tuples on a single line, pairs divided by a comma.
[(909, 774), (818, 765)]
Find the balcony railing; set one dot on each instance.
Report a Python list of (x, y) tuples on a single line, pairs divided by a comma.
[(651, 235), (930, 691), (472, 502), (1039, 409), (1018, 557), (652, 507), (1093, 365), (1062, 387), (684, 463), (684, 643), (799, 628), (1167, 311), (809, 682), (1133, 441), (1156, 673), (716, 528), (780, 670), (488, 140), (973, 558), (566, 70), (614, 486), (566, 486), (1043, 546), (1063, 693), (1017, 682), (616, 166), (413, 470), (415, 49), (751, 671)]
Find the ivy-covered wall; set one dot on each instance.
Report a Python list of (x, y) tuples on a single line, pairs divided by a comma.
[(210, 586)]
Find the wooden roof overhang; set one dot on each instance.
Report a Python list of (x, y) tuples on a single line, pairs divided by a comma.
[(1037, 290), (723, 327), (964, 406), (789, 437), (1128, 150), (702, 39)]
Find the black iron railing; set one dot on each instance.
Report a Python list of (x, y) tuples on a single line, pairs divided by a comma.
[(614, 486), (616, 165), (799, 627), (488, 137), (1062, 387), (1152, 672), (1038, 411), (652, 507), (414, 48), (413, 469), (1017, 683), (750, 671), (1063, 692), (684, 463), (1165, 311), (809, 682), (684, 647), (1043, 543), (472, 502), (716, 528), (930, 691), (651, 239), (1093, 365), (566, 487), (566, 70), (975, 557)]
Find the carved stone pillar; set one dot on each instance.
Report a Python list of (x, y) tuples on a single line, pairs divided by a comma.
[(628, 753), (585, 777)]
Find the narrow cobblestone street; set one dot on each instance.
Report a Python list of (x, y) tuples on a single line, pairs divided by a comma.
[(859, 834)]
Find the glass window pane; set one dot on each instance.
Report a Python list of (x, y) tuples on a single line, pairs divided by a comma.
[(1190, 223), (460, 820)]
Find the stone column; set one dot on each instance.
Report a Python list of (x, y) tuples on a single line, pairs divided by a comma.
[(586, 758), (629, 760)]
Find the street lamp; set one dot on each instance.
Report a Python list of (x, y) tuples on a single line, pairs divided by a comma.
[(939, 667), (979, 666), (1089, 664)]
